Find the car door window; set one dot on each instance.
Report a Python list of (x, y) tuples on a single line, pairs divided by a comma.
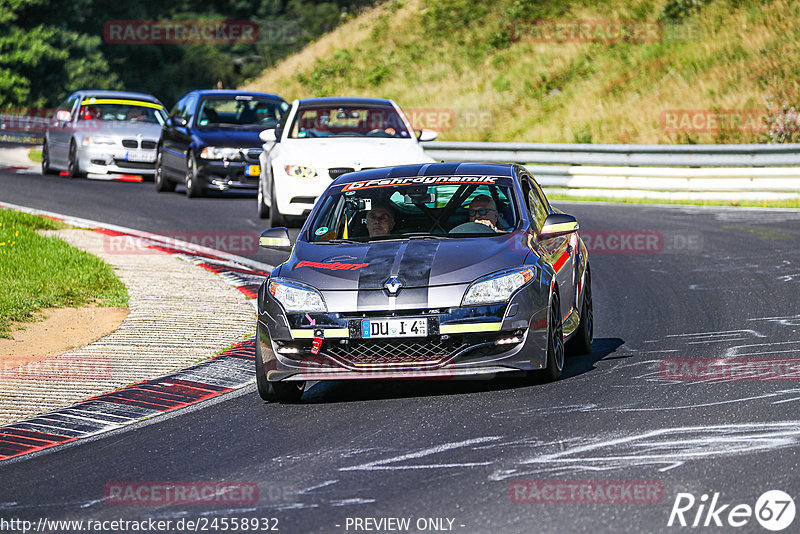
[(538, 208), (177, 111), (68, 104), (189, 110)]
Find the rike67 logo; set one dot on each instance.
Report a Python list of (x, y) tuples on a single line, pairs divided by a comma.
[(774, 510)]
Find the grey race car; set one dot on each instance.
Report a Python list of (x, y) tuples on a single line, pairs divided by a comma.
[(441, 270)]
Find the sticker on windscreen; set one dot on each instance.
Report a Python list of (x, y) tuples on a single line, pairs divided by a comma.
[(322, 230)]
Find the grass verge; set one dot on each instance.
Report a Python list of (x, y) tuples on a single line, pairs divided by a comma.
[(39, 272)]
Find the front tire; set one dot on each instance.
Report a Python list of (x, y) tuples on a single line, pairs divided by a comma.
[(283, 392), (555, 342), (263, 209), (193, 187), (73, 166), (275, 217), (163, 184), (46, 169), (581, 342)]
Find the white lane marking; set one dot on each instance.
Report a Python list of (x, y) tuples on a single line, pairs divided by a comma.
[(318, 486), (732, 352), (379, 465), (718, 333), (348, 502), (92, 503)]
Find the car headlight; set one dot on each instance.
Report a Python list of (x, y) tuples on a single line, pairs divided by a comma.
[(498, 287), (97, 140), (215, 152), (298, 171), (296, 296)]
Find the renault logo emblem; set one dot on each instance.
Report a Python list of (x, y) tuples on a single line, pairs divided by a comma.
[(393, 285)]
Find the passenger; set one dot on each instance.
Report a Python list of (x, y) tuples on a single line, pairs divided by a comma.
[(380, 220)]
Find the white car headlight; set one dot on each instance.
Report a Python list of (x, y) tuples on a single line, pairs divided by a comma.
[(215, 152), (97, 140), (298, 171), (498, 287), (296, 296)]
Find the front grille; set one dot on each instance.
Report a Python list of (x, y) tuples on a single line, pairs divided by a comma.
[(121, 163), (130, 143), (253, 153), (336, 172), (149, 145), (423, 352)]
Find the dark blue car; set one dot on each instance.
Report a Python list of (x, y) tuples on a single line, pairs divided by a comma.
[(210, 141)]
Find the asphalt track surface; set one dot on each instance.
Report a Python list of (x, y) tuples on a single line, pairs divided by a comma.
[(722, 285)]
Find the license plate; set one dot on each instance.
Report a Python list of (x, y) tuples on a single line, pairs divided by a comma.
[(146, 157), (252, 170), (373, 328)]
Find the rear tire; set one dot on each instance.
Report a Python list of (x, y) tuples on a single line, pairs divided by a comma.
[(581, 342), (283, 392), (163, 184), (555, 342), (46, 169)]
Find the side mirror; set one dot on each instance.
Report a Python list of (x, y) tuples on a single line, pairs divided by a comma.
[(277, 238), (557, 224), (268, 136), (427, 135), (176, 121), (62, 115)]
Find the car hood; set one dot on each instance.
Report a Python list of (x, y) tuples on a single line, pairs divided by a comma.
[(417, 262), (121, 129), (228, 137), (357, 153)]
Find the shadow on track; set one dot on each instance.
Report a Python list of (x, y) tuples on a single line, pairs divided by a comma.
[(362, 390)]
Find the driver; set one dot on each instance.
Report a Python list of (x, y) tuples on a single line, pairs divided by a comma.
[(483, 210), (380, 220)]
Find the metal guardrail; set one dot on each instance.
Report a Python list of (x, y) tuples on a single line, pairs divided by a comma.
[(766, 155)]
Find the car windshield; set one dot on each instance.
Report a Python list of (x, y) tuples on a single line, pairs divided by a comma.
[(241, 110), (348, 121), (403, 208), (121, 110)]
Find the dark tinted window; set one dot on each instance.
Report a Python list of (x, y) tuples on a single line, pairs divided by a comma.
[(445, 206)]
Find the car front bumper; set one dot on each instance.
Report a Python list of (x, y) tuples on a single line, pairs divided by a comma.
[(104, 159), (462, 342), (220, 175)]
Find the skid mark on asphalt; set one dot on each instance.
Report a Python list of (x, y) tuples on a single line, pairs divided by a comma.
[(665, 448), (383, 465)]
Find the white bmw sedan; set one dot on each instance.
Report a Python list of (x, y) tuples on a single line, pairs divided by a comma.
[(320, 139)]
